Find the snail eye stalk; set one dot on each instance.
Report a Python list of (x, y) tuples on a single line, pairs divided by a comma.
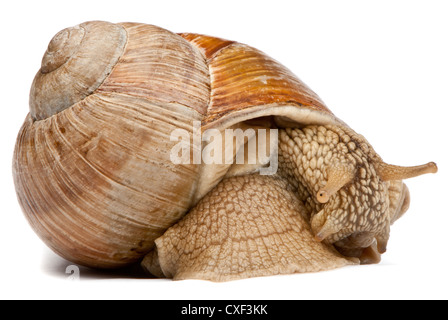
[(389, 172), (338, 176)]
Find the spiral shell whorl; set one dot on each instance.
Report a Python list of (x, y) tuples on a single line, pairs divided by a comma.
[(61, 48), (76, 63)]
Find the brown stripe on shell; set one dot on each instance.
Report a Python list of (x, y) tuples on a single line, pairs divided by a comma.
[(208, 45), (243, 77), (96, 182), (160, 66)]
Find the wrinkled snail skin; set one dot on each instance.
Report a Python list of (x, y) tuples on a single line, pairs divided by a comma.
[(256, 225), (94, 177), (247, 226)]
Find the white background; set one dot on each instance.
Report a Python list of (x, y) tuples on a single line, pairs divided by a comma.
[(381, 66)]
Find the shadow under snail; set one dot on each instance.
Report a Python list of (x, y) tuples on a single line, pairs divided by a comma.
[(94, 172)]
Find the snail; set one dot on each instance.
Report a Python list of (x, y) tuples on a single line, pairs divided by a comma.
[(96, 177)]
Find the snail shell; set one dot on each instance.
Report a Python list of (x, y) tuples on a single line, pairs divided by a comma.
[(92, 166)]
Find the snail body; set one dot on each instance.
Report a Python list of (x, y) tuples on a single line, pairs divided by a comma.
[(94, 172)]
